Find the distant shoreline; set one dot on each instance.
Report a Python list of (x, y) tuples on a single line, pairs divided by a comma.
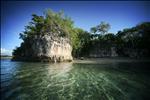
[(110, 60)]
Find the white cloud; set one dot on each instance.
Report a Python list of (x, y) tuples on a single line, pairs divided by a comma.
[(6, 51)]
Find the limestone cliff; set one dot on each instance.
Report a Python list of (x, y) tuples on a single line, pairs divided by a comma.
[(47, 49)]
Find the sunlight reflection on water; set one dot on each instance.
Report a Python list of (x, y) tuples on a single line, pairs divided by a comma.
[(74, 81)]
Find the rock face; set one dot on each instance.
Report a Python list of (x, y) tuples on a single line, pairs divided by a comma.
[(47, 49), (103, 52)]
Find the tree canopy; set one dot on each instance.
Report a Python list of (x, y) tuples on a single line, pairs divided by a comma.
[(102, 28)]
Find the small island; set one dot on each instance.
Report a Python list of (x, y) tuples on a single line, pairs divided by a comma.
[(46, 39), (54, 38)]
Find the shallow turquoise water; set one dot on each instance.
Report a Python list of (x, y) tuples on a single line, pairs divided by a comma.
[(73, 81)]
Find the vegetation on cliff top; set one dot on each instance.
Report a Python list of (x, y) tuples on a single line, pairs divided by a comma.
[(59, 25)]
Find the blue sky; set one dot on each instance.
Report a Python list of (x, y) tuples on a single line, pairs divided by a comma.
[(85, 14)]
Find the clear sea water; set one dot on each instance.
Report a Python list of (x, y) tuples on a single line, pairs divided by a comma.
[(75, 81)]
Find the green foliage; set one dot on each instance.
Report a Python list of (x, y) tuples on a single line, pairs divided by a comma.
[(81, 40), (56, 24), (102, 28), (94, 30)]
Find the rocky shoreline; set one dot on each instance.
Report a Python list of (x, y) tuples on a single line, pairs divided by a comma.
[(41, 59)]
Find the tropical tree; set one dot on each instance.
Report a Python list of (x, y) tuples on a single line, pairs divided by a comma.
[(102, 28)]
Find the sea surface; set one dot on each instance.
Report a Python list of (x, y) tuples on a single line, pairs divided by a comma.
[(106, 80)]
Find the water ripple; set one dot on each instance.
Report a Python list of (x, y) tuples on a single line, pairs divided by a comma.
[(71, 81)]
